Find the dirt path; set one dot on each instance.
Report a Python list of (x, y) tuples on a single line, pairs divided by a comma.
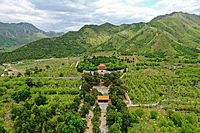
[(122, 76), (77, 63), (103, 127), (152, 39), (143, 105), (128, 99), (89, 122)]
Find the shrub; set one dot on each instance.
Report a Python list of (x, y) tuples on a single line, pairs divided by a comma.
[(85, 109), (21, 95), (40, 100), (139, 112), (2, 129), (90, 99), (177, 118), (154, 114), (3, 91)]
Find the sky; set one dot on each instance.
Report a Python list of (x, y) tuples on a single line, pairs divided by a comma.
[(71, 15)]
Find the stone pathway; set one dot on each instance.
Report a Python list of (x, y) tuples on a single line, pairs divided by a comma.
[(103, 126), (89, 117), (102, 89), (103, 107)]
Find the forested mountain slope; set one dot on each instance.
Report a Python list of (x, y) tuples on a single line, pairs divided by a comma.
[(175, 34), (21, 33)]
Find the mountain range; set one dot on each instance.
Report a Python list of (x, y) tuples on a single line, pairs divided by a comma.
[(175, 34), (21, 33)]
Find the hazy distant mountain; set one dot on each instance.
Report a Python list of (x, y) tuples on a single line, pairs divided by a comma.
[(175, 34), (21, 33)]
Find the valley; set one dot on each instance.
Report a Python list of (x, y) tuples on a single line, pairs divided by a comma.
[(164, 95)]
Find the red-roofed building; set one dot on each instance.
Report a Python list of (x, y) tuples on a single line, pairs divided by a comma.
[(102, 69)]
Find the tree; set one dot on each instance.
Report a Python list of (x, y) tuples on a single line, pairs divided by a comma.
[(136, 118), (3, 91), (21, 95), (40, 100), (113, 117), (2, 129), (139, 112), (47, 66), (73, 124), (90, 99), (86, 87), (95, 92), (61, 75), (85, 109), (154, 114), (115, 128), (29, 82), (27, 72), (97, 108), (127, 121), (189, 128), (96, 128), (177, 118), (192, 118), (121, 106)]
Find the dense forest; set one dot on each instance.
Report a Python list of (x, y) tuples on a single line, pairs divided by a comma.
[(91, 64)]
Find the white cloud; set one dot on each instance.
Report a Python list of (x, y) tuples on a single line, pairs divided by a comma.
[(167, 6), (65, 15)]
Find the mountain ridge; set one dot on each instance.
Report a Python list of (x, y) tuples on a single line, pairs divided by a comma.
[(174, 34), (21, 33)]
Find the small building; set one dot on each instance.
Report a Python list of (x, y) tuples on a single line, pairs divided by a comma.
[(103, 102), (102, 69), (103, 99)]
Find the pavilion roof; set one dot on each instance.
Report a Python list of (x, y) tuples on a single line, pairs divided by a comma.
[(105, 97)]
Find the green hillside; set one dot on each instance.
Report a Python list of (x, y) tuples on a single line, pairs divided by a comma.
[(21, 33), (175, 34)]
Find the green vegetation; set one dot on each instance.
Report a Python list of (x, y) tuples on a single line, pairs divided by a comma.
[(21, 95), (96, 120), (166, 121), (162, 80), (112, 63), (41, 102), (46, 100), (167, 93), (118, 116), (153, 84), (2, 128)]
